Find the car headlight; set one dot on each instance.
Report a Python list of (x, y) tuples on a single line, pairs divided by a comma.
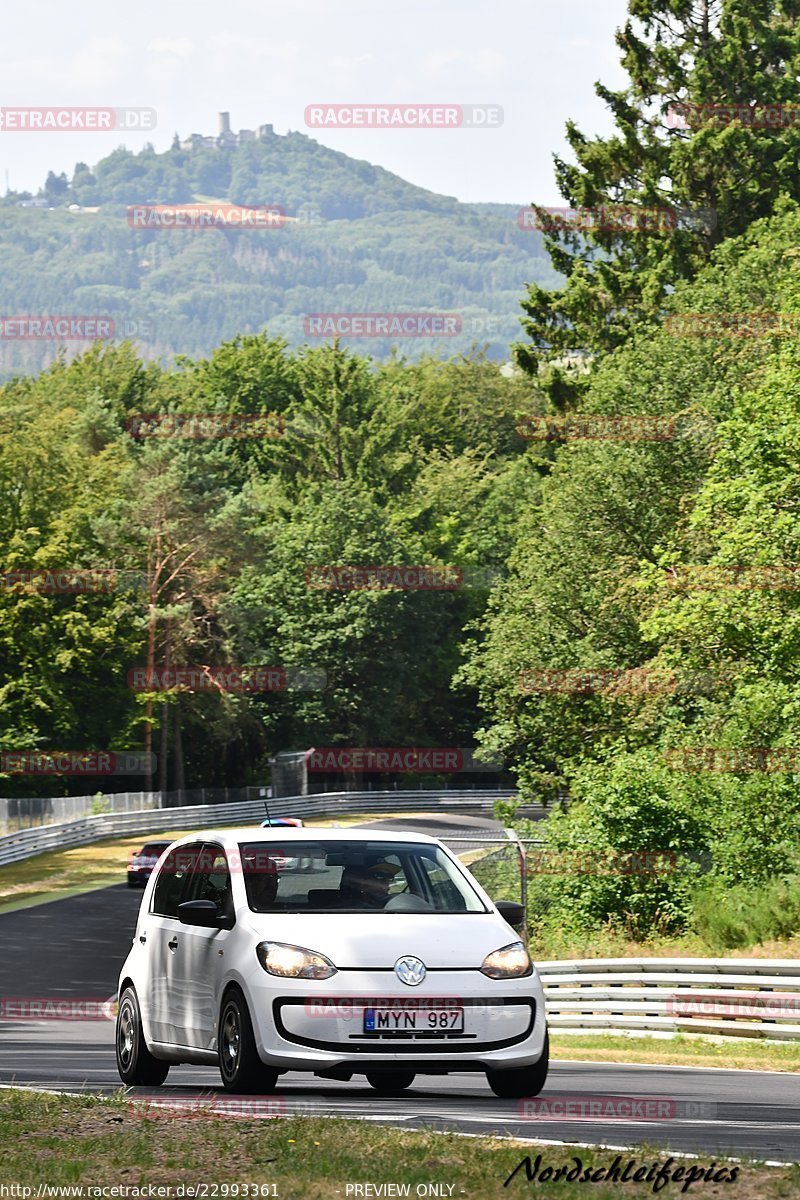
[(510, 962), (294, 962)]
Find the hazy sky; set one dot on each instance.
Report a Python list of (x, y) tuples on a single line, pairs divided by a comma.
[(265, 62)]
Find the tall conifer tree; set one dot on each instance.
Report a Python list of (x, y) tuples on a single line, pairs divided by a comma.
[(716, 173)]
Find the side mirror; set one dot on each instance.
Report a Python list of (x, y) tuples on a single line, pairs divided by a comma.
[(509, 909), (203, 913)]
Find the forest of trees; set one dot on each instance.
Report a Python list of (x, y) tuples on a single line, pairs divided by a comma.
[(667, 568), (404, 464)]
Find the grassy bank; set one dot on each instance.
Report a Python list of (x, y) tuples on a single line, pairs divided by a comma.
[(748, 1055), (610, 943), (64, 872), (77, 1140)]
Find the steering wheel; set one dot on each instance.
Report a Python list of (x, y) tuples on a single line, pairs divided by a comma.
[(407, 902)]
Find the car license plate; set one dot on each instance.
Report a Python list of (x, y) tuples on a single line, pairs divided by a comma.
[(413, 1020)]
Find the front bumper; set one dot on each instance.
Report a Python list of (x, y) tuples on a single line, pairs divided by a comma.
[(305, 1025)]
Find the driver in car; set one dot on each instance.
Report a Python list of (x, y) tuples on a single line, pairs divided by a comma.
[(367, 887), (262, 880)]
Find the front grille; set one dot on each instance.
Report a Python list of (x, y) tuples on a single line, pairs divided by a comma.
[(401, 1035), (402, 1042)]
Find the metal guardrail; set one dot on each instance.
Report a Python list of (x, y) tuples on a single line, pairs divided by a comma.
[(26, 843), (728, 997)]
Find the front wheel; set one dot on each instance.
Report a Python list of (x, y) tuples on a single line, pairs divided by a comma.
[(135, 1063), (528, 1081), (239, 1065), (390, 1083)]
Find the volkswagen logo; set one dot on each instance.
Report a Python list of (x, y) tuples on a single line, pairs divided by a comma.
[(410, 970)]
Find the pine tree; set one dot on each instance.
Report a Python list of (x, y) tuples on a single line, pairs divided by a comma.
[(706, 182)]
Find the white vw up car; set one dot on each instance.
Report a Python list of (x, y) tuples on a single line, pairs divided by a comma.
[(388, 961)]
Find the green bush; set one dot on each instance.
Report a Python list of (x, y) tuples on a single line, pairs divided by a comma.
[(732, 918), (630, 806)]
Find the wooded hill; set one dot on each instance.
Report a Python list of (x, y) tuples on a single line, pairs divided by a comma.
[(356, 239)]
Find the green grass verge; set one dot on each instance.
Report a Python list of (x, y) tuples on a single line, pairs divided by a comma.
[(749, 1055), (64, 1141), (607, 942), (67, 872)]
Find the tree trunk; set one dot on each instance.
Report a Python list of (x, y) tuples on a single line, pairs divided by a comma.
[(177, 752), (165, 716)]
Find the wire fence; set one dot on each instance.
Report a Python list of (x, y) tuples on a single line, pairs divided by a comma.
[(33, 811)]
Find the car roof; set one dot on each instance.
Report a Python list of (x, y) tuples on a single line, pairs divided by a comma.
[(256, 833)]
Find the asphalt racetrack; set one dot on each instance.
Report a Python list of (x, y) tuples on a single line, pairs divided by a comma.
[(74, 948)]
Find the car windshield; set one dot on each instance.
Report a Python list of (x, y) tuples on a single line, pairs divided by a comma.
[(153, 849), (325, 876)]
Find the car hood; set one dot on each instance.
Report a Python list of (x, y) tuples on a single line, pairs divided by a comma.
[(377, 940)]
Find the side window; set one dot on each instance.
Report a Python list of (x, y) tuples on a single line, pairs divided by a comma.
[(175, 878), (442, 892), (213, 880)]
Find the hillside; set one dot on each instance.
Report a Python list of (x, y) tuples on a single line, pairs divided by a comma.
[(356, 239)]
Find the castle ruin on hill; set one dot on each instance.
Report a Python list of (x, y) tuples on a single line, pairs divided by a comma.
[(226, 137)]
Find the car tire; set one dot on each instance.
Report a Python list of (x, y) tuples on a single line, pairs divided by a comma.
[(390, 1083), (239, 1065), (132, 881), (528, 1081), (136, 1065)]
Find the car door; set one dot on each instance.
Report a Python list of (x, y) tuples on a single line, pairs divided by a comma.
[(162, 932), (199, 959)]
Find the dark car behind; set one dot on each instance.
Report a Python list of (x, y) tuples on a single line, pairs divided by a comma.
[(141, 864)]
